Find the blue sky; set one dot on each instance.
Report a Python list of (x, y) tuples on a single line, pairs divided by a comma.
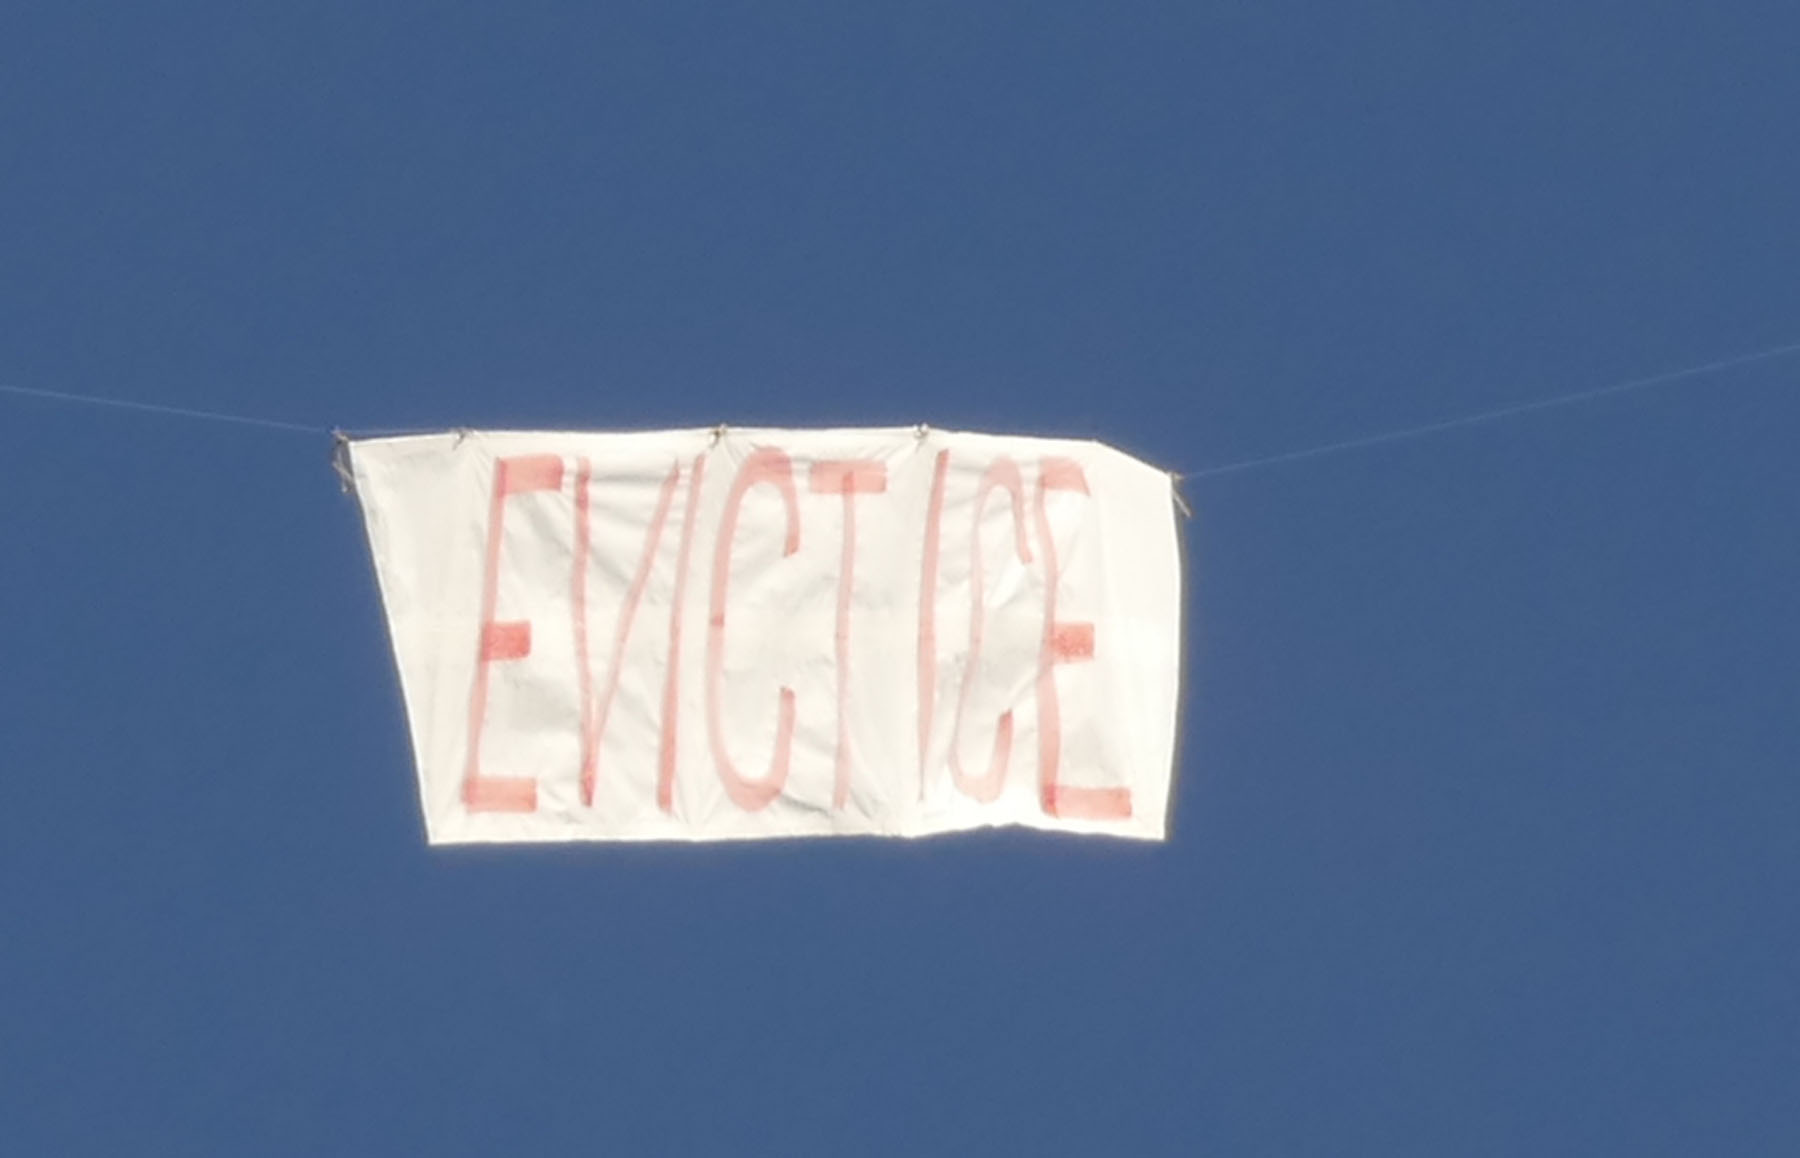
[(1483, 830)]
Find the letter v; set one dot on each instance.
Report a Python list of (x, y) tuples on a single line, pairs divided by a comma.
[(593, 713)]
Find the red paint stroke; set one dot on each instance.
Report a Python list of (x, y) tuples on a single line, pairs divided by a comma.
[(499, 642), (1002, 473), (1063, 643), (928, 577), (593, 724), (773, 468), (665, 771), (849, 478)]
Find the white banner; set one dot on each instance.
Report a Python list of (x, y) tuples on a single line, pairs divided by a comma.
[(703, 635)]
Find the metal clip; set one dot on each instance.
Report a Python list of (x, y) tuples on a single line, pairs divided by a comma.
[(340, 461)]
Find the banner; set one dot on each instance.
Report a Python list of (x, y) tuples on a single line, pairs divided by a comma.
[(725, 634)]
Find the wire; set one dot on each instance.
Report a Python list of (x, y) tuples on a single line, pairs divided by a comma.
[(1401, 435), (158, 408), (1429, 428)]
